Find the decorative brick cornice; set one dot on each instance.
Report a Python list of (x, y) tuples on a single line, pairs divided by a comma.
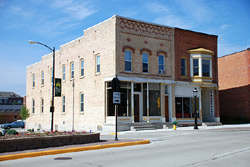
[(128, 47), (142, 27), (162, 52), (146, 50)]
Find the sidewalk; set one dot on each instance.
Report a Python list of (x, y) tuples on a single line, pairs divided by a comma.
[(70, 148)]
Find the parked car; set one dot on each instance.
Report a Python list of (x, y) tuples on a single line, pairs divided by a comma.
[(16, 124)]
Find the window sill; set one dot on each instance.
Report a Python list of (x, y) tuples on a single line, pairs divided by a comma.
[(81, 113), (184, 76), (81, 77), (63, 113), (96, 74)]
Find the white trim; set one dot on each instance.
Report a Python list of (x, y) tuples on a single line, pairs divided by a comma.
[(140, 80)]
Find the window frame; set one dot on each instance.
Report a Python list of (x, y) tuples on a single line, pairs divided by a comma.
[(42, 78), (33, 80), (42, 105), (81, 102), (63, 104), (161, 55), (202, 67), (33, 106), (147, 63), (63, 72), (128, 50), (81, 68), (200, 58), (72, 70), (185, 67), (96, 63)]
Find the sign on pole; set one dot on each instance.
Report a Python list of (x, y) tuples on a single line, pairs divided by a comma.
[(58, 87), (116, 97)]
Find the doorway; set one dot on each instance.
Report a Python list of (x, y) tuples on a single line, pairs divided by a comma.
[(137, 107), (166, 109)]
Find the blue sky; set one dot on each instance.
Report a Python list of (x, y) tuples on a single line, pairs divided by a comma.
[(55, 22)]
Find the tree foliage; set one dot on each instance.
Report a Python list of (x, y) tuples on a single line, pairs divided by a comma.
[(24, 113)]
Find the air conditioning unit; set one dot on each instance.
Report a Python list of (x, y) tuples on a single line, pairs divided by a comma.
[(161, 71)]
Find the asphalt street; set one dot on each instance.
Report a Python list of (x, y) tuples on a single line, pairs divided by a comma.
[(224, 146)]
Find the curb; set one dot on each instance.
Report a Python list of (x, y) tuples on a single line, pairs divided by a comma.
[(69, 150)]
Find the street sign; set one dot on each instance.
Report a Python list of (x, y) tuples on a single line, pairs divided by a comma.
[(116, 97)]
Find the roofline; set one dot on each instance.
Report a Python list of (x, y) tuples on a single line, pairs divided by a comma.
[(142, 21), (248, 49), (197, 32)]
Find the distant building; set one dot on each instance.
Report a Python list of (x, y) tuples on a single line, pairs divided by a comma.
[(158, 68), (234, 85), (10, 106)]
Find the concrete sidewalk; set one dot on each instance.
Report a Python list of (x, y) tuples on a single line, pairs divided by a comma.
[(70, 148)]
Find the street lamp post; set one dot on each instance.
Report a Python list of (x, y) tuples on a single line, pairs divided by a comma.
[(195, 91), (53, 79)]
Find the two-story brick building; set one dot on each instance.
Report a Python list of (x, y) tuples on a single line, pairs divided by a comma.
[(158, 68)]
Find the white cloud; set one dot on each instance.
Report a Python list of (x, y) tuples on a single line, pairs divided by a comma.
[(156, 7), (174, 21), (228, 48), (199, 10), (21, 12), (224, 26), (75, 9)]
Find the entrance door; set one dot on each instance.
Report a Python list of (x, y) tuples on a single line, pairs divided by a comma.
[(137, 107), (166, 109)]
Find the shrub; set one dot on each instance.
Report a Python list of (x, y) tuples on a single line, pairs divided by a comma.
[(12, 131)]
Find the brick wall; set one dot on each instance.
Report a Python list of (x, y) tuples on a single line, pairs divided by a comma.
[(186, 40), (234, 90)]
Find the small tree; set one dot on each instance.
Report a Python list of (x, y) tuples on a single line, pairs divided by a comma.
[(24, 113)]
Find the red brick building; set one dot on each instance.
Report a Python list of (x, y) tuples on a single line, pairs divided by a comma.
[(234, 82), (196, 67)]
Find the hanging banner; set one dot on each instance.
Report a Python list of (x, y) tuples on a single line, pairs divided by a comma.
[(58, 87)]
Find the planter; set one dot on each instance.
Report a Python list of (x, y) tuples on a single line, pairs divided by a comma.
[(19, 144)]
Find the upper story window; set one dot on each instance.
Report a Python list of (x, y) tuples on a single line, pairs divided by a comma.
[(33, 79), (33, 106), (145, 62), (63, 103), (81, 102), (42, 78), (201, 64), (161, 64), (183, 67), (63, 72), (82, 68), (42, 105), (195, 67), (72, 70), (128, 60), (205, 68), (98, 64)]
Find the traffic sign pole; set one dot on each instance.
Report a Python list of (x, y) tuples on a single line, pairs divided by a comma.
[(116, 115)]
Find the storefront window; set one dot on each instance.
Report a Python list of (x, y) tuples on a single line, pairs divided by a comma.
[(124, 109), (154, 100), (185, 107)]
